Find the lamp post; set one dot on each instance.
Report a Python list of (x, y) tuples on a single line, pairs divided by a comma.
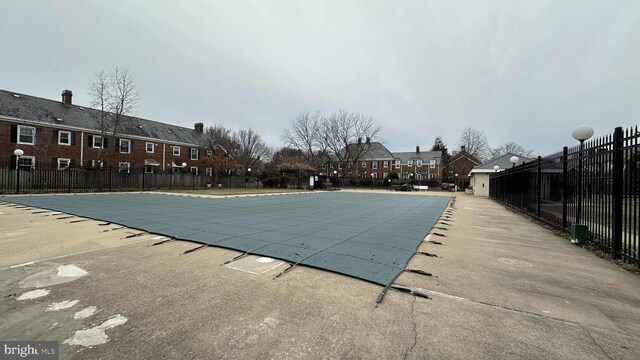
[(496, 168), (581, 133), (18, 153), (184, 166), (245, 177), (455, 182), (514, 160)]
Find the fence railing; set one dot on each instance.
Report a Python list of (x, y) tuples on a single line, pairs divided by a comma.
[(35, 179), (598, 186)]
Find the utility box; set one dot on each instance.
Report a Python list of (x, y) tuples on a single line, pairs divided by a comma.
[(578, 233)]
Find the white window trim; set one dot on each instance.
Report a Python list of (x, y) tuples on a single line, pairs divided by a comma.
[(68, 161), (60, 137), (33, 135), (174, 150), (148, 167), (197, 152), (364, 164), (432, 164), (120, 146), (121, 164), (191, 170), (209, 152), (95, 137), (398, 164), (24, 157), (410, 162), (153, 147), (418, 162), (374, 164), (385, 175), (385, 164), (208, 171)]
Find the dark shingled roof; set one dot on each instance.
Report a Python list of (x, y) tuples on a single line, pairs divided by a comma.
[(502, 161), (376, 151), (425, 156), (31, 108)]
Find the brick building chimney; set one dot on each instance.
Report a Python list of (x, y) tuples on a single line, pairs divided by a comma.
[(462, 147), (199, 127), (66, 97), (417, 149)]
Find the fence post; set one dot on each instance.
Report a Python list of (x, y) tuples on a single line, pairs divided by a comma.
[(110, 168), (618, 183), (522, 187), (69, 170), (565, 182), (143, 176), (539, 186)]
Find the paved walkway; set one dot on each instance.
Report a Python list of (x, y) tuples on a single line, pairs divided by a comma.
[(503, 288)]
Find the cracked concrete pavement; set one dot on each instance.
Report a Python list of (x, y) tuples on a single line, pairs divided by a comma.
[(503, 287)]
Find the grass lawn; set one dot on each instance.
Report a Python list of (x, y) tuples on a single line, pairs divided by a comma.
[(235, 191)]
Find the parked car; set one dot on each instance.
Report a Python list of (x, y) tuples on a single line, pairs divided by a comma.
[(403, 187)]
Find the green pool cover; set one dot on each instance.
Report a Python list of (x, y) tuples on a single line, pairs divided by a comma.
[(367, 236)]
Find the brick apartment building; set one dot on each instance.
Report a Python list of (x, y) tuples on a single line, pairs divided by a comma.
[(378, 162), (60, 134), (458, 169)]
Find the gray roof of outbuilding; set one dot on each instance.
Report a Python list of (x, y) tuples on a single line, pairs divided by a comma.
[(425, 156), (502, 161), (31, 108)]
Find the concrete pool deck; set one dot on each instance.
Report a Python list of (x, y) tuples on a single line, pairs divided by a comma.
[(504, 287)]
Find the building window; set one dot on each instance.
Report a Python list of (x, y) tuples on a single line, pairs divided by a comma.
[(176, 150), (450, 177), (97, 142), (364, 164), (148, 169), (409, 162), (124, 167), (385, 164), (374, 175), (208, 171), (339, 165), (374, 164), (397, 164), (385, 175), (432, 164), (419, 176), (63, 163), (150, 147), (194, 154), (194, 170), (26, 162), (64, 138), (125, 146), (350, 164), (26, 135), (209, 152), (432, 176), (451, 168), (418, 162)]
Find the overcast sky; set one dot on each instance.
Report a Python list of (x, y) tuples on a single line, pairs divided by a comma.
[(524, 71)]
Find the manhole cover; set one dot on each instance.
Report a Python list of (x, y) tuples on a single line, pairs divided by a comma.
[(264, 260)]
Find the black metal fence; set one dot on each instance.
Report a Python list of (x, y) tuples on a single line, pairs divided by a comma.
[(598, 186), (37, 179)]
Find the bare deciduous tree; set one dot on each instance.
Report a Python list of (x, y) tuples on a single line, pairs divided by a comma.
[(251, 148), (511, 147), (219, 137), (304, 134), (114, 95), (475, 142), (346, 137)]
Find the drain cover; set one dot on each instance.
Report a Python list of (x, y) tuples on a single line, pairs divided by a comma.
[(264, 260)]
